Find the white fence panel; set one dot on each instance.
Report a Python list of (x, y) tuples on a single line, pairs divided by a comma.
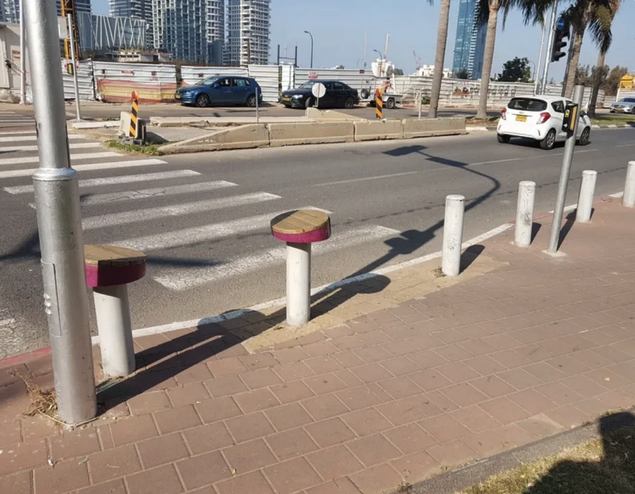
[(269, 77), (85, 81), (357, 79), (193, 74), (288, 77)]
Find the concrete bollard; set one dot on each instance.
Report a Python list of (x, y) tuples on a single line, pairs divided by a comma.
[(525, 213), (299, 229), (109, 269), (628, 200), (585, 199), (453, 235)]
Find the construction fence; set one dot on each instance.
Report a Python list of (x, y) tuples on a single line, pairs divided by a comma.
[(113, 82)]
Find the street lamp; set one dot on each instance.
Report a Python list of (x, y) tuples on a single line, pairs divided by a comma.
[(380, 54), (307, 32)]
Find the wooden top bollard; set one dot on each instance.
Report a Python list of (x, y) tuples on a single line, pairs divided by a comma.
[(108, 265), (304, 226)]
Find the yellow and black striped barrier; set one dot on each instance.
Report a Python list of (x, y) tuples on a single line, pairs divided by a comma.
[(134, 116), (379, 104)]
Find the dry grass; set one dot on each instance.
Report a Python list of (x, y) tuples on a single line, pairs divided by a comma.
[(605, 466), (42, 402)]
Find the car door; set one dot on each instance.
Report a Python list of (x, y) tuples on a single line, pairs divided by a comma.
[(341, 94), (222, 91), (329, 99), (557, 115), (240, 89)]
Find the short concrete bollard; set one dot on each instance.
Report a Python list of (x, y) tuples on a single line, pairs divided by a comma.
[(108, 271), (299, 229), (525, 213), (628, 200), (585, 200), (452, 235)]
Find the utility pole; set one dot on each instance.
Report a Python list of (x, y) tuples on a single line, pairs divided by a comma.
[(537, 75), (307, 32), (74, 62), (22, 56), (59, 224), (552, 29)]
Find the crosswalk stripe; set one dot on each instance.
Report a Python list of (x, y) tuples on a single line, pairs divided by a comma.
[(32, 137), (122, 179), (77, 157), (199, 234), (141, 215), (75, 145), (159, 191), (182, 279), (96, 166), (22, 120), (19, 132)]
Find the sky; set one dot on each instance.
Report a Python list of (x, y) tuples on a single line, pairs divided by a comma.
[(339, 28)]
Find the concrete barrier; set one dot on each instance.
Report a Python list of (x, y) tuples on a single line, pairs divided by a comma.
[(369, 130), (427, 127), (177, 121), (289, 134), (315, 114), (244, 137)]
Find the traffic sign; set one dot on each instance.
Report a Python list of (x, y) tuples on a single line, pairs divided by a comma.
[(319, 90), (561, 24)]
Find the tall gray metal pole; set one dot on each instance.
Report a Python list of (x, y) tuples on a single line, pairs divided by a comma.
[(552, 30), (538, 67), (22, 56), (74, 62), (59, 223), (565, 173)]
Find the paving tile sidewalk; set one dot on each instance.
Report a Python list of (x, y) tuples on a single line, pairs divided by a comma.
[(494, 362)]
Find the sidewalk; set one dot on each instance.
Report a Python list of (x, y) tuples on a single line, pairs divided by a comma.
[(530, 346)]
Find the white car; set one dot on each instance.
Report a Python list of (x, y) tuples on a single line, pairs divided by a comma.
[(626, 105), (540, 118)]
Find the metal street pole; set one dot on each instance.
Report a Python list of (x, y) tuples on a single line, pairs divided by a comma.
[(537, 75), (22, 56), (552, 30), (307, 32), (72, 38), (565, 173), (59, 224)]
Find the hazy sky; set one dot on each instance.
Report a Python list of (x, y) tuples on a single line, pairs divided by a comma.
[(339, 26)]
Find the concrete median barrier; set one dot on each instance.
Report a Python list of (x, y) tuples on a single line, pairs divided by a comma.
[(369, 130), (288, 134), (245, 137), (315, 114), (427, 127)]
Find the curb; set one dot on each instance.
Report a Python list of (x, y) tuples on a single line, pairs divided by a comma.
[(462, 478)]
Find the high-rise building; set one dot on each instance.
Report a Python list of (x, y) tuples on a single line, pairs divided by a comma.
[(248, 25), (135, 9), (191, 30), (99, 33), (469, 46)]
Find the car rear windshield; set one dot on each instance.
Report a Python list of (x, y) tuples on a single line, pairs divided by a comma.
[(527, 104)]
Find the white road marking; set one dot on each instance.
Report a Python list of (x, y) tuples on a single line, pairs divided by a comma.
[(540, 156), (181, 279), (364, 179), (140, 215), (19, 132), (158, 191), (123, 179), (199, 234), (78, 145), (625, 145), (97, 166), (36, 159), (31, 137)]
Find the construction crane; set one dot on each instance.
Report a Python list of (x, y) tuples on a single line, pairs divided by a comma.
[(417, 60), (68, 7)]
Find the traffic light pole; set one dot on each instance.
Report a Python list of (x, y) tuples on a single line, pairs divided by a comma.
[(59, 224), (552, 29)]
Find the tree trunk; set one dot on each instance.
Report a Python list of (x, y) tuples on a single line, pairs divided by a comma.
[(576, 47), (597, 81), (488, 57), (442, 39)]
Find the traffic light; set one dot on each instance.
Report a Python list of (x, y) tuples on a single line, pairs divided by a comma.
[(562, 31)]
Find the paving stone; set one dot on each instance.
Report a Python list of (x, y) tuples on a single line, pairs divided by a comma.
[(334, 462), (203, 470), (22, 456), (65, 476), (177, 419), (288, 417), (74, 444), (291, 444), (161, 450), (217, 409), (365, 422), (373, 450), (248, 427), (208, 438), (253, 482), (162, 479), (249, 456), (133, 429), (292, 476), (376, 479), (116, 462)]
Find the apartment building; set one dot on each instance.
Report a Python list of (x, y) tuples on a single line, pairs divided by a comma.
[(469, 46), (248, 26)]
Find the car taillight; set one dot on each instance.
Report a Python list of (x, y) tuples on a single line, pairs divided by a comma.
[(544, 116), (504, 113)]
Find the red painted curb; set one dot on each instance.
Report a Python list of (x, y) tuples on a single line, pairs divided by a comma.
[(25, 357)]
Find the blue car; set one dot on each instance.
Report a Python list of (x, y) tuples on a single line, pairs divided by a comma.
[(221, 91)]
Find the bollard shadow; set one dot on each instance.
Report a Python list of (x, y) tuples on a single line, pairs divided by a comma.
[(470, 255), (613, 472), (535, 229)]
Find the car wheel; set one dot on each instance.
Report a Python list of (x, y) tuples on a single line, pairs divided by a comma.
[(309, 103), (584, 137), (349, 103), (502, 139), (390, 104), (202, 100), (549, 141), (251, 101)]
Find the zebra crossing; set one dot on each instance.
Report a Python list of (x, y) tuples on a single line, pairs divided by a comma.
[(9, 118), (150, 205)]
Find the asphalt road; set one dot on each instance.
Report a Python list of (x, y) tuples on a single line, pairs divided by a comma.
[(206, 230)]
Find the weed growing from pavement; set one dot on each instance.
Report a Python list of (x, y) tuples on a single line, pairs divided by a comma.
[(147, 150)]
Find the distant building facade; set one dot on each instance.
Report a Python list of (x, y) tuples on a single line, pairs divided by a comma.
[(98, 33), (135, 9), (249, 28), (469, 46)]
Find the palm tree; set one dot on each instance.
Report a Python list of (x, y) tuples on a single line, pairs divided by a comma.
[(442, 40), (604, 22)]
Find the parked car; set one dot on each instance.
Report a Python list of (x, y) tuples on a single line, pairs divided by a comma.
[(540, 118), (338, 95), (626, 105), (220, 91)]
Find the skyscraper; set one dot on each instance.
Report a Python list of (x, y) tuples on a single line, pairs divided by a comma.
[(469, 46), (136, 9), (248, 24)]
